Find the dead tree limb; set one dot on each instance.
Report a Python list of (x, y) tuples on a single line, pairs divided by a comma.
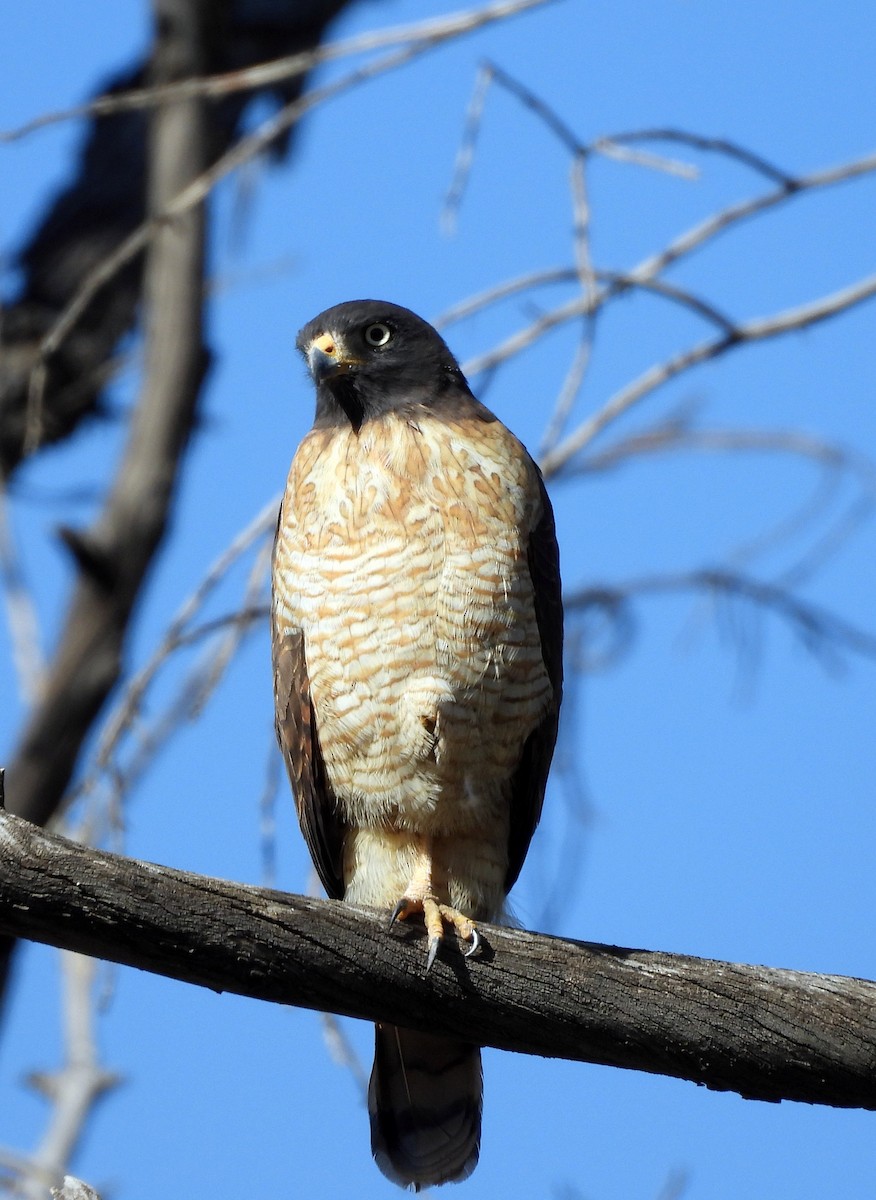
[(105, 201), (115, 553), (765, 1033)]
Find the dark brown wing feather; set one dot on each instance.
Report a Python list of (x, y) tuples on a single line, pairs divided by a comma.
[(529, 779), (297, 734)]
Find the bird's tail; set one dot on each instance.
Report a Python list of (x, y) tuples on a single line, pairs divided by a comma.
[(424, 1101)]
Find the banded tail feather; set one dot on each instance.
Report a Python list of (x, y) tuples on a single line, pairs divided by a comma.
[(424, 1101)]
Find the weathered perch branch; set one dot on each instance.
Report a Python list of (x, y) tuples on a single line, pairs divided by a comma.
[(765, 1033)]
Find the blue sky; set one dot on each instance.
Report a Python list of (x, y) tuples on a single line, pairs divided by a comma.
[(720, 810)]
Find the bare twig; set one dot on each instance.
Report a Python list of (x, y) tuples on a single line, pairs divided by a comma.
[(114, 554), (274, 777), (644, 275), (586, 274), (194, 689), (222, 654), (248, 148), (618, 283), (819, 629), (536, 104), (710, 144), (609, 148), (343, 1052), (280, 69), (74, 1090), (720, 222), (835, 460), (750, 331), (675, 1186), (466, 152), (503, 291), (21, 611), (187, 702), (568, 394)]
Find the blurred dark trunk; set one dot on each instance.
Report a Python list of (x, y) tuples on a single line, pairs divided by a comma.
[(103, 203)]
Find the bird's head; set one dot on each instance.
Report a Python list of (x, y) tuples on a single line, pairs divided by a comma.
[(369, 358)]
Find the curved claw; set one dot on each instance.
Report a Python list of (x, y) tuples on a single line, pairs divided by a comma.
[(475, 943), (434, 943), (435, 914)]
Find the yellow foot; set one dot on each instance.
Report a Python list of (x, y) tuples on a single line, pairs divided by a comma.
[(435, 915)]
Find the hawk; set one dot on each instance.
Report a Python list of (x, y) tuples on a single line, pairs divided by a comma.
[(417, 654)]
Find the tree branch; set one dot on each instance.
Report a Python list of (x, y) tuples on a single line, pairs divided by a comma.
[(278, 70), (74, 1089), (765, 1033), (197, 187), (115, 553), (800, 317)]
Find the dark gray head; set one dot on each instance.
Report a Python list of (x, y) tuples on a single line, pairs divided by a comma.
[(370, 357)]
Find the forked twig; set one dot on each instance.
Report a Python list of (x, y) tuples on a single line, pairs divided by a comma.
[(278, 70), (817, 627), (759, 329), (247, 149)]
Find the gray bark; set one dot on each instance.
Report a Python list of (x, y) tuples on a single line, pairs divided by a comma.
[(765, 1033)]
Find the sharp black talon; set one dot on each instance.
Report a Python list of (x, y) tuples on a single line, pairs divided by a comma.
[(475, 944), (434, 943), (397, 911)]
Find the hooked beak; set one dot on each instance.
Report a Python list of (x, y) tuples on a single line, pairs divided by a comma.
[(326, 358)]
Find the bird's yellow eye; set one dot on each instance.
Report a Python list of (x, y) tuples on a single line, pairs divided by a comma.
[(377, 334)]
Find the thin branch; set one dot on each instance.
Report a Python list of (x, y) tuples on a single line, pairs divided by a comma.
[(672, 437), (115, 553), (566, 136), (278, 70), (765, 1033), (200, 681), (618, 283), (536, 104), (267, 810), (74, 1090), (343, 1052), (568, 394), (710, 144), (608, 148), (830, 543), (462, 167), (817, 627), (179, 634), (487, 73), (799, 317), (196, 191), (720, 222), (836, 461), (503, 291), (587, 277), (644, 275), (187, 703), (234, 631), (21, 611)]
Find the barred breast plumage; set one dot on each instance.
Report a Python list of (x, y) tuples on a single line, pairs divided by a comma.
[(401, 555)]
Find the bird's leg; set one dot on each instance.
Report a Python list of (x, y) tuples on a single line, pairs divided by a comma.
[(420, 896)]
